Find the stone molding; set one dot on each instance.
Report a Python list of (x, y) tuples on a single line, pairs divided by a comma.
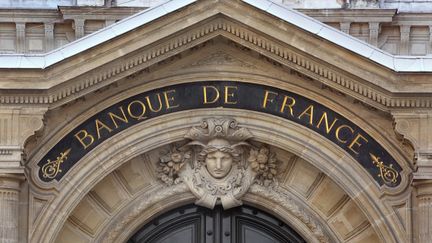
[(66, 13), (97, 13), (329, 76), (416, 127), (28, 15), (348, 15), (152, 197), (16, 126), (294, 208)]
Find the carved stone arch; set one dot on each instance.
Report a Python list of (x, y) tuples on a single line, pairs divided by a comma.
[(157, 200), (122, 147)]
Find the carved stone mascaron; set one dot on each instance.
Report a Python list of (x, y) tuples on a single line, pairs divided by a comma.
[(218, 164)]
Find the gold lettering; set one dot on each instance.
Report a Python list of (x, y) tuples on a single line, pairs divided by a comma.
[(266, 98), (338, 131), (324, 117), (229, 94), (290, 106), (357, 143), (205, 94), (169, 98), (85, 135), (100, 125), (150, 105), (309, 112), (123, 119), (138, 116)]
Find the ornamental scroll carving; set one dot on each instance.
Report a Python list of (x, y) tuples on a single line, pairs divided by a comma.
[(218, 164)]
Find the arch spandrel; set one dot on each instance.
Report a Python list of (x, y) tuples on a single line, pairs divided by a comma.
[(133, 142)]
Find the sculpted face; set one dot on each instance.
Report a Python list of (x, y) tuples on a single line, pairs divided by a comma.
[(218, 164)]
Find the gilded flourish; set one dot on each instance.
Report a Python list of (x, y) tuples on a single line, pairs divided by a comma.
[(52, 168), (387, 173)]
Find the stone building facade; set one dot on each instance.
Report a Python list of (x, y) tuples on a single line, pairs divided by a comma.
[(315, 116)]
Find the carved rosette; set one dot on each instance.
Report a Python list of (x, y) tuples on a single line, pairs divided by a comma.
[(218, 164)]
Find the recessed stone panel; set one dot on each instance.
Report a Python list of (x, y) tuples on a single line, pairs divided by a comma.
[(35, 45), (71, 234), (88, 215), (7, 45), (109, 193), (348, 220), (303, 177), (367, 235), (135, 174), (327, 196)]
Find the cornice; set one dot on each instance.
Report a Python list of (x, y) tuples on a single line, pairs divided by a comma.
[(377, 94), (286, 55), (317, 29), (29, 15), (351, 15), (114, 13), (413, 19), (64, 13)]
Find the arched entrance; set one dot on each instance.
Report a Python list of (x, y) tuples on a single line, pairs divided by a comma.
[(198, 224), (314, 196)]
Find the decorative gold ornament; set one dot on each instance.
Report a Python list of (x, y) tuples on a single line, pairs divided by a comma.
[(52, 168), (387, 173)]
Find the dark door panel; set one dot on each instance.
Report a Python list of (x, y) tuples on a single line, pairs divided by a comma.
[(194, 224)]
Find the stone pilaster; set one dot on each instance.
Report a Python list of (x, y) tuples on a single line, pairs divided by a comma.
[(430, 40), (79, 28), (374, 29), (109, 22), (49, 36), (345, 27), (9, 207), (405, 31), (424, 210), (20, 37)]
